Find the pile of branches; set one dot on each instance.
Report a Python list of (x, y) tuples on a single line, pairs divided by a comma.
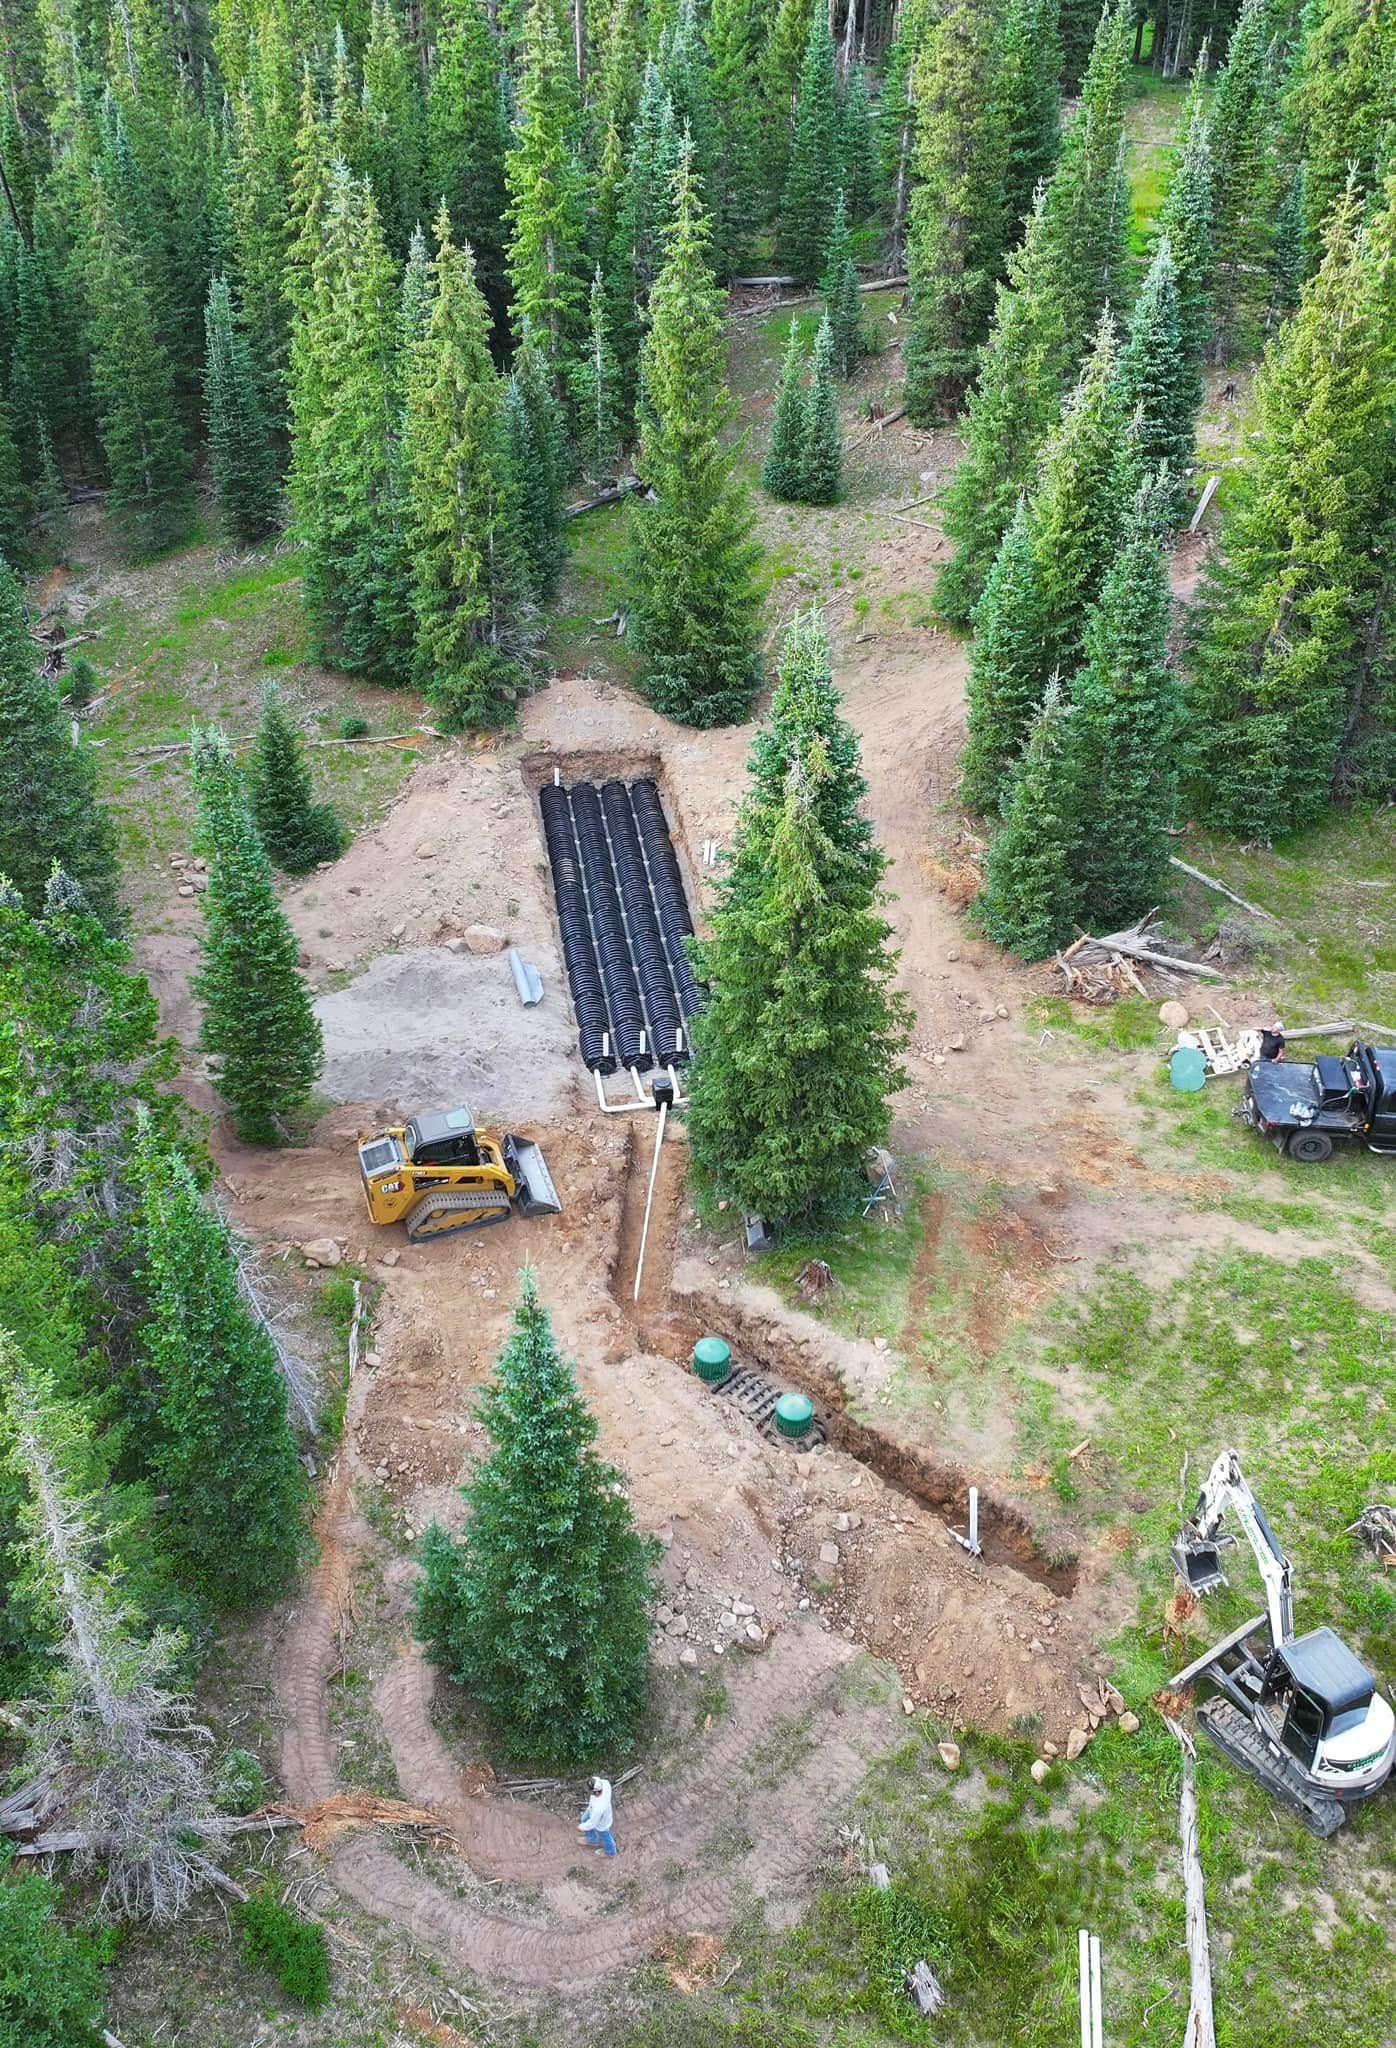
[(1129, 962), (1376, 1526)]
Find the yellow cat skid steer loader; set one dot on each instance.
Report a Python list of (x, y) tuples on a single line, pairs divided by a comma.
[(438, 1174)]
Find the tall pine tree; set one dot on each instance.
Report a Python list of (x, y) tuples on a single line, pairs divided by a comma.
[(806, 213), (1343, 103), (244, 465), (1031, 897), (539, 445), (843, 303), (541, 1609), (694, 609), (1005, 670), (259, 1028), (295, 831), (1243, 129), (467, 138), (1186, 218), (823, 452), (782, 472), (547, 187), (49, 812), (1029, 100), (1158, 381), (596, 394)]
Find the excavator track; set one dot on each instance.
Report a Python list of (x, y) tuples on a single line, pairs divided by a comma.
[(467, 1209), (1238, 1738)]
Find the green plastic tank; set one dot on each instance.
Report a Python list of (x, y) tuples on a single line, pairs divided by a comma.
[(794, 1414), (712, 1360)]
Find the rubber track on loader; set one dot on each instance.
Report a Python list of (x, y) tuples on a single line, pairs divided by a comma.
[(431, 1217), (1237, 1738)]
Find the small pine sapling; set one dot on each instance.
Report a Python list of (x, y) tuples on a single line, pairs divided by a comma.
[(296, 832), (822, 477), (782, 472), (1030, 899)]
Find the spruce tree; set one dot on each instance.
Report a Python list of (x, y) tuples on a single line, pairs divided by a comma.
[(392, 140), (596, 394), (468, 138), (897, 120), (694, 608), (684, 66), (1158, 383), (1088, 197), (645, 209), (1125, 730), (778, 68), (547, 192), (472, 601), (958, 219), (539, 446), (843, 303), (782, 472), (295, 831), (1078, 24), (1243, 127), (1031, 898), (259, 1027), (1005, 670), (1029, 104), (261, 161), (244, 466), (806, 215), (541, 1609), (734, 42), (1341, 104), (1289, 253), (1186, 219), (49, 810), (805, 707), (858, 156), (822, 479), (1277, 665), (798, 1048), (346, 484), (225, 1457), (1081, 500)]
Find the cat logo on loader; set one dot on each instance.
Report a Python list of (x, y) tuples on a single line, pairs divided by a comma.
[(437, 1174)]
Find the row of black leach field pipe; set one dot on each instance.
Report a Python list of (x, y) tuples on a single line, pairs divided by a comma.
[(624, 918)]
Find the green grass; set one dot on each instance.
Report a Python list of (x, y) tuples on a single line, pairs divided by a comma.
[(1125, 1026), (871, 1260)]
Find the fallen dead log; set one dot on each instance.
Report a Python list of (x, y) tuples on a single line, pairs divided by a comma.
[(754, 282), (363, 739), (610, 496), (922, 1989), (1211, 882), (876, 284), (1201, 2028)]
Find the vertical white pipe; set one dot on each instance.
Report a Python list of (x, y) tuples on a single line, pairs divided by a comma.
[(1083, 1971), (974, 1520), (649, 1200), (639, 1090), (1097, 2016)]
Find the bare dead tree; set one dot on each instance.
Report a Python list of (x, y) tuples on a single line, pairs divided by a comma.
[(114, 1751)]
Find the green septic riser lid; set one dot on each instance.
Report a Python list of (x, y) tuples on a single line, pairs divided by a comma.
[(794, 1414), (712, 1359)]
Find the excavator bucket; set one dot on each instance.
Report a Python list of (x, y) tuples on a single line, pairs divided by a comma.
[(537, 1195), (1198, 1563)]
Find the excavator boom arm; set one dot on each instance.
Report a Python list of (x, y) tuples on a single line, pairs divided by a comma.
[(1196, 1552)]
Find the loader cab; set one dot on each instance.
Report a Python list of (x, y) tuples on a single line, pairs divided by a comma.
[(1321, 1699), (442, 1137)]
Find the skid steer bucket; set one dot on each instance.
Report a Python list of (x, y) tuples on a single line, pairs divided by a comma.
[(1198, 1563), (537, 1196)]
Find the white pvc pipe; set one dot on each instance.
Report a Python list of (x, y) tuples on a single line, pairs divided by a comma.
[(617, 1108), (1083, 1975), (974, 1520), (641, 1096), (649, 1198), (1097, 2015)]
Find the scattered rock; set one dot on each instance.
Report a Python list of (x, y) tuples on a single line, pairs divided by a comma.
[(186, 888), (1174, 1015), (663, 1614), (321, 1251), (1038, 1769), (426, 851), (666, 1439), (373, 1358), (828, 1553), (399, 931), (953, 954), (1036, 1646), (1076, 1742), (693, 1578), (804, 1463), (987, 1016), (957, 1043), (1114, 1700), (1130, 1723), (483, 938), (1001, 1010), (389, 1259), (688, 1655), (908, 1706), (949, 1753), (456, 946), (743, 1608), (679, 1625), (754, 1633), (1050, 1749)]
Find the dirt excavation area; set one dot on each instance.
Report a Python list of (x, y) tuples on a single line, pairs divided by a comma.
[(786, 1570)]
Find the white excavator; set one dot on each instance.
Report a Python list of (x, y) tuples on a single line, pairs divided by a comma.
[(1303, 1715)]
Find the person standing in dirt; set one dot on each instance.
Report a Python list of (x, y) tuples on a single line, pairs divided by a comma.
[(595, 1823), (1272, 1042)]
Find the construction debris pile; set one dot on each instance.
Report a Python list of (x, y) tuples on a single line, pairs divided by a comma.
[(1129, 962)]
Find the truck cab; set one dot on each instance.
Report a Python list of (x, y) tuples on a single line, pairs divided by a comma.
[(1304, 1109)]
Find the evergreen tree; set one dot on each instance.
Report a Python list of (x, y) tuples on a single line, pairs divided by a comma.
[(734, 41), (1085, 485), (240, 451), (858, 157), (1005, 670), (14, 505), (782, 473), (261, 162), (1243, 133), (823, 450), (150, 501), (1289, 253), (1127, 722), (1186, 219), (1029, 104), (226, 1458), (1158, 383), (392, 145), (539, 448), (646, 206), (958, 217), (52, 523), (1009, 414), (295, 831), (1341, 104), (897, 120), (476, 631), (694, 609), (806, 215), (51, 1980), (1088, 197), (843, 303), (346, 484), (1277, 666), (259, 1028), (541, 1609), (684, 66), (806, 707), (468, 138), (48, 782), (799, 1046), (415, 310), (596, 394), (778, 68), (1031, 899), (547, 192), (1078, 24)]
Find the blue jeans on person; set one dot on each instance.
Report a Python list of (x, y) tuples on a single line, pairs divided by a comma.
[(600, 1838)]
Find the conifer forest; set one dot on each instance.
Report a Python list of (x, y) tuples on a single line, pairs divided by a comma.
[(755, 640)]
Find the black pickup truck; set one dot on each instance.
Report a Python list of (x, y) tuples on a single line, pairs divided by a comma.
[(1303, 1110)]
